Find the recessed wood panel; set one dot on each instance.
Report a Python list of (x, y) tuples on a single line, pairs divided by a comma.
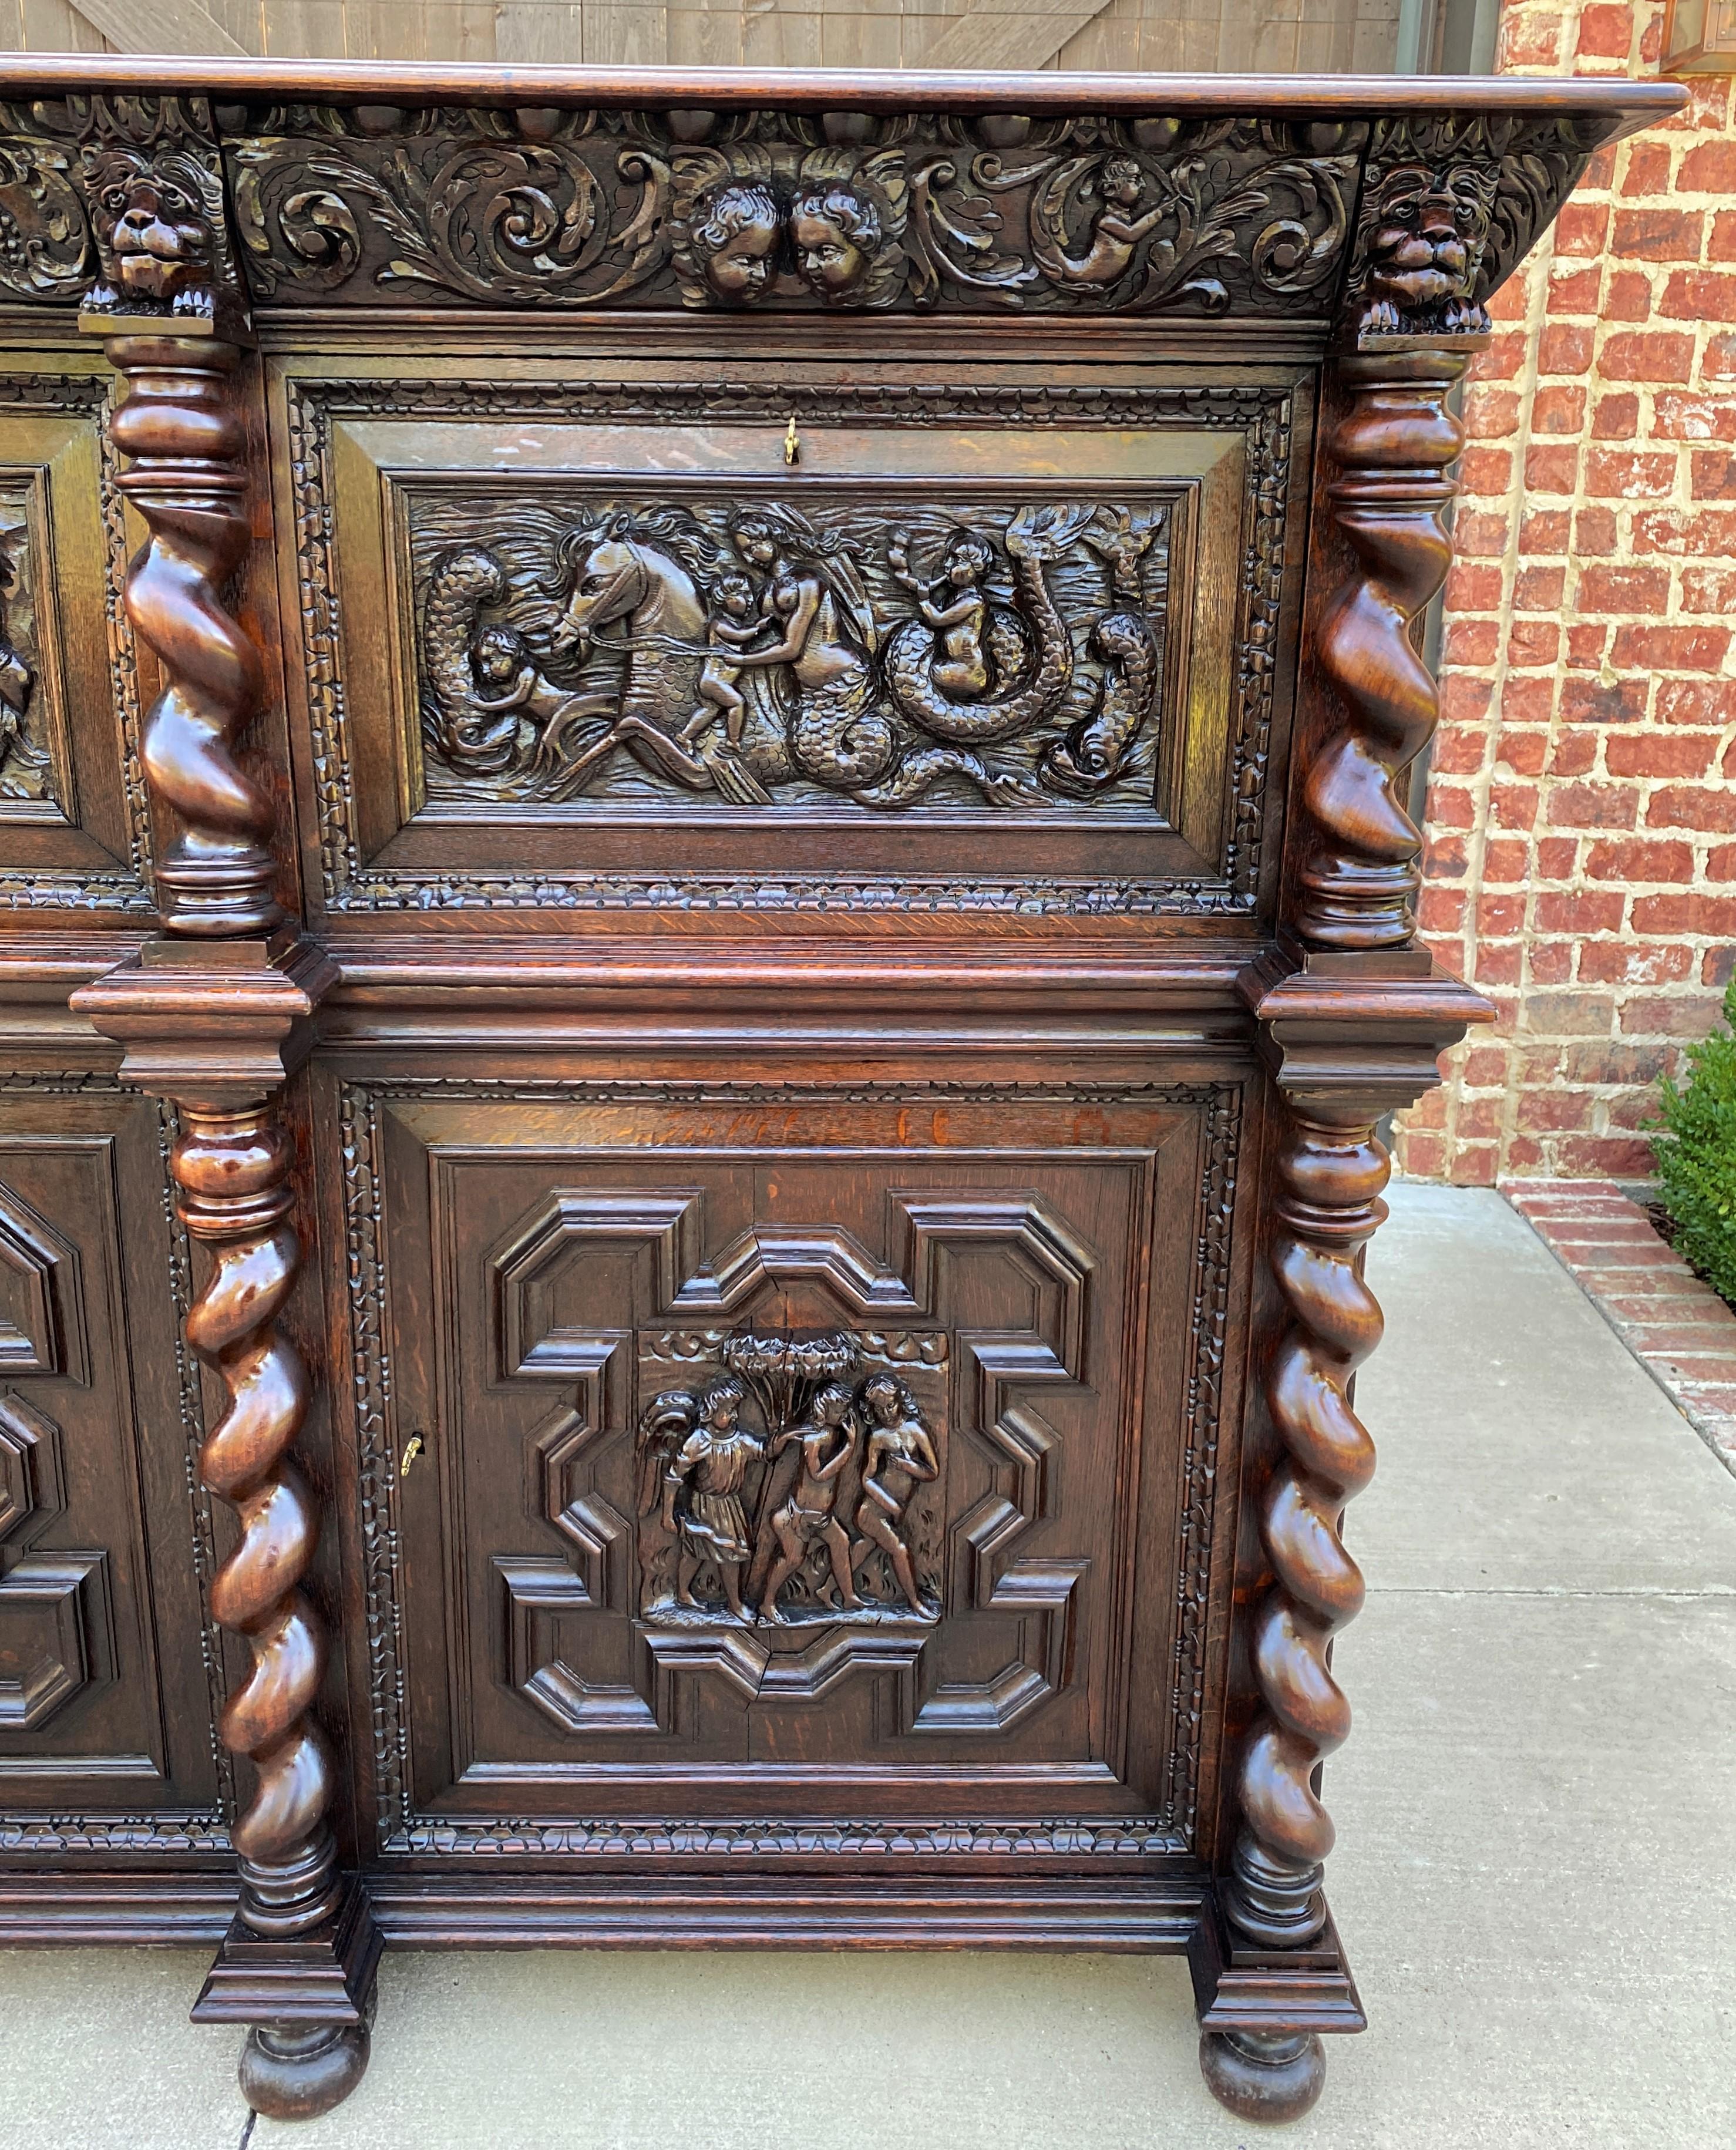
[(107, 1676), (74, 819)]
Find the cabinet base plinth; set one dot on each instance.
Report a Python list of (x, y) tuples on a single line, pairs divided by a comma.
[(1263, 1992), (309, 2005)]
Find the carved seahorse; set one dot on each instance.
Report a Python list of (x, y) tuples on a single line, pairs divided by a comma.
[(481, 742), (1036, 534)]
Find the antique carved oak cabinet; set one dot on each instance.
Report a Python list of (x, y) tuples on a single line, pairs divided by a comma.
[(706, 917)]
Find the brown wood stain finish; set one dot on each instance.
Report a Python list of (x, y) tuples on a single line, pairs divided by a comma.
[(725, 751)]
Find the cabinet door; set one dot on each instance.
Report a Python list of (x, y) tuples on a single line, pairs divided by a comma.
[(844, 1456), (588, 638), (108, 1671)]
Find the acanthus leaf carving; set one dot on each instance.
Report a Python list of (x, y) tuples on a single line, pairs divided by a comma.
[(911, 211)]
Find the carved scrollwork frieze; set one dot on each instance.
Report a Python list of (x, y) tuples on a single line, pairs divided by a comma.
[(1203, 216), (1398, 226)]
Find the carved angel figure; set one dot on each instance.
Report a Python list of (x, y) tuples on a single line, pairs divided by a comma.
[(728, 224), (846, 226), (694, 1457)]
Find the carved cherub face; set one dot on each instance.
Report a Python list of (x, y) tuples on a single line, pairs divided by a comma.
[(734, 594), (1122, 182), (158, 236), (737, 243), (1429, 240), (836, 233), (967, 559), (497, 655)]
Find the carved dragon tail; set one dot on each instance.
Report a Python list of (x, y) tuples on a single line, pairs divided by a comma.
[(910, 655), (233, 1171), (1393, 446), (1330, 1177), (188, 483)]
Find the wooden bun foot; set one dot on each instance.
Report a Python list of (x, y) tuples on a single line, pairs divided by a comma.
[(290, 2072), (1263, 2077)]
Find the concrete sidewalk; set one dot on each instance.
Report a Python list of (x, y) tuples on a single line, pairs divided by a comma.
[(1534, 1880)]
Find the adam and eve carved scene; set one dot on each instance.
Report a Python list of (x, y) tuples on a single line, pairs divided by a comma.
[(1006, 653), (800, 1483)]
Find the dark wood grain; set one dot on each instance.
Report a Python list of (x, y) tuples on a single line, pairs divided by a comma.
[(779, 714)]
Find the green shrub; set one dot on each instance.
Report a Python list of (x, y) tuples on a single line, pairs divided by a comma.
[(1696, 1154)]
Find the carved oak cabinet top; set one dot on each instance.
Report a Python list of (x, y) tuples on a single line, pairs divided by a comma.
[(1183, 197)]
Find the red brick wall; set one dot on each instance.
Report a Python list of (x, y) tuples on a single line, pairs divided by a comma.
[(1581, 866)]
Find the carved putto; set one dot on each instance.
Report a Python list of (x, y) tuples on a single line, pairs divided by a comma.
[(800, 1485), (756, 224), (763, 654), (783, 210)]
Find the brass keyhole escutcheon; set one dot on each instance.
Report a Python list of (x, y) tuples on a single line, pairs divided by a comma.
[(792, 444), (416, 1446)]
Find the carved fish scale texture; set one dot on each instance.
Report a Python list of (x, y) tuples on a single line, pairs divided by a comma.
[(233, 1172)]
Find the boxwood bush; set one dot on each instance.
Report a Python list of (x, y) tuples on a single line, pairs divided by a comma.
[(1695, 1147)]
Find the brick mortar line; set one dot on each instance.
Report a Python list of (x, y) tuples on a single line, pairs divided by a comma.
[(1532, 1200)]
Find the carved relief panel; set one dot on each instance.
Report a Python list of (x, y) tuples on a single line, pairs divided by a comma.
[(74, 820), (778, 642), (110, 1680), (742, 1457)]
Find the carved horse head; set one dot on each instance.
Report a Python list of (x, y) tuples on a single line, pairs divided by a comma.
[(606, 572)]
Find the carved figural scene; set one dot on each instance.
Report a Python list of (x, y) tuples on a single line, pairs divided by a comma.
[(833, 209), (25, 767), (1006, 654), (800, 1484)]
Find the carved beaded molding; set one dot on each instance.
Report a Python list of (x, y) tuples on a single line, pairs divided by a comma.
[(1265, 415), (1201, 215), (402, 1830)]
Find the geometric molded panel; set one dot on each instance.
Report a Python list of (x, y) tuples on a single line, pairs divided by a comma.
[(39, 1296), (53, 1613), (54, 1605)]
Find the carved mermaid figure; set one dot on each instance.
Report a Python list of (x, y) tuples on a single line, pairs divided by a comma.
[(1116, 230)]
